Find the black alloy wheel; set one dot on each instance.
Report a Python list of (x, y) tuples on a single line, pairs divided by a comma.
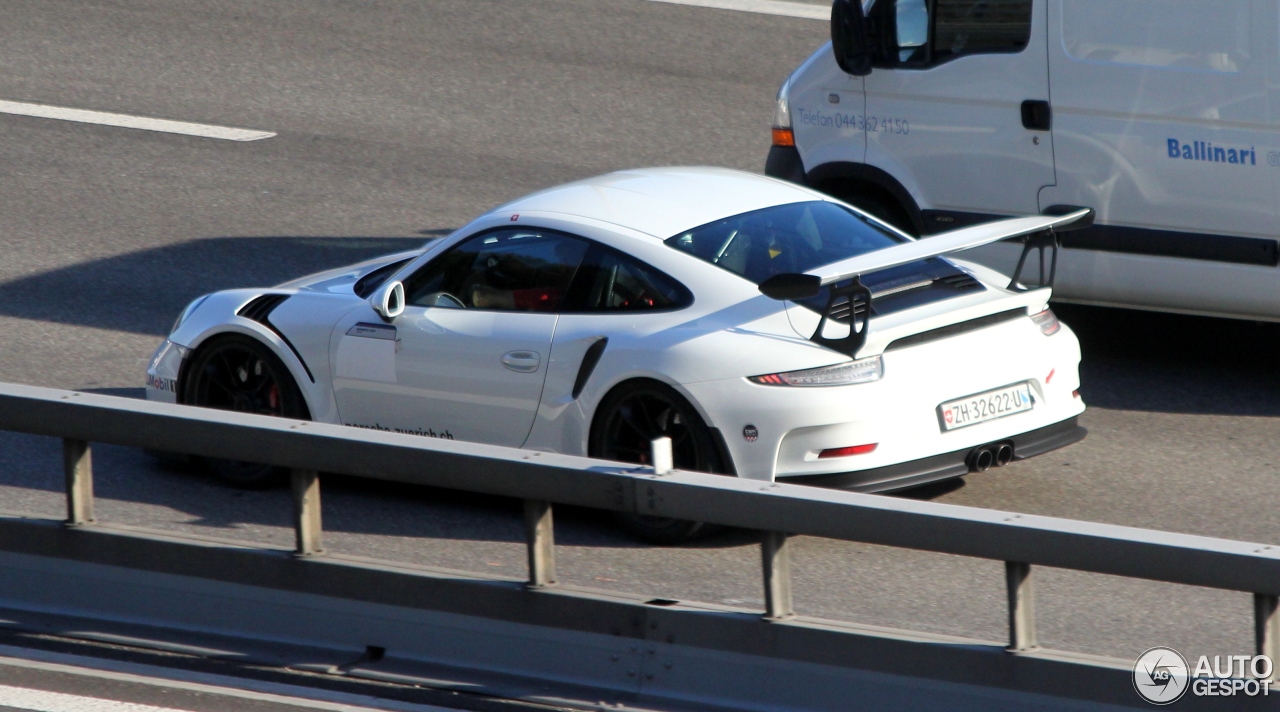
[(238, 373), (628, 420)]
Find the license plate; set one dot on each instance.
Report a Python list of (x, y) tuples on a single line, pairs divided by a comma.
[(982, 407)]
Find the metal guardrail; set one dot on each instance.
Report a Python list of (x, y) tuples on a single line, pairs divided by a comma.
[(777, 510)]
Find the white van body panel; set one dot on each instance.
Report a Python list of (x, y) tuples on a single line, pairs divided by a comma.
[(964, 113), (825, 111), (1130, 85)]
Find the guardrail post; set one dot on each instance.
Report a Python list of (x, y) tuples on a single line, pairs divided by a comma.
[(1266, 624), (541, 538), (306, 510), (660, 453), (77, 463), (776, 557), (1022, 607)]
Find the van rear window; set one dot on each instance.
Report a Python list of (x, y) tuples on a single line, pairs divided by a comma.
[(1172, 34)]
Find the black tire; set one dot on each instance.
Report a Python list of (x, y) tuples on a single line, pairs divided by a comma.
[(627, 420), (877, 202), (238, 373)]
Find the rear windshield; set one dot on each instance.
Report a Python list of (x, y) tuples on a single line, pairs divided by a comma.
[(784, 239)]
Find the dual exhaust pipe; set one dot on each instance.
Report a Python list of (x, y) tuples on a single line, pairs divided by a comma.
[(985, 457)]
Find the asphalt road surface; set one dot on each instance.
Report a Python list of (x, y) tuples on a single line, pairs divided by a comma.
[(42, 680), (402, 119)]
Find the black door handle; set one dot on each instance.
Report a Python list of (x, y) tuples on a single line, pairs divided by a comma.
[(1036, 115)]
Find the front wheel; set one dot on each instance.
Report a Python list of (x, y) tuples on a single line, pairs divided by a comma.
[(628, 420), (238, 373)]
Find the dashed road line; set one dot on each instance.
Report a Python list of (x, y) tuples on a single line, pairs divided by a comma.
[(762, 7), (185, 681), (129, 121), (42, 701)]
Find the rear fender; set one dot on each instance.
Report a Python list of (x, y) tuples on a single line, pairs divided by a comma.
[(563, 423)]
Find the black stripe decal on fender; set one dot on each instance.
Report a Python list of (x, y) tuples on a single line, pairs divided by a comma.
[(259, 309)]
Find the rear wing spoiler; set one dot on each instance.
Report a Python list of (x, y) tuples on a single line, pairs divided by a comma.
[(1038, 233)]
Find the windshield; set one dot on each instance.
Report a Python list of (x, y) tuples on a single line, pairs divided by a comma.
[(784, 239)]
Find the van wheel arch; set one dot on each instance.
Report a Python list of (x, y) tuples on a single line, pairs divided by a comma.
[(870, 189)]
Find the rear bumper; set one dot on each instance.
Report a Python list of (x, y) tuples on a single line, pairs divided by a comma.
[(944, 466)]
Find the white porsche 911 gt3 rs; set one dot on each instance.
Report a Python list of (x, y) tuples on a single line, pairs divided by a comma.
[(770, 331)]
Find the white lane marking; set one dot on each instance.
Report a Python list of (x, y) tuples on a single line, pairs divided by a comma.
[(128, 121), (207, 683), (41, 701), (762, 7)]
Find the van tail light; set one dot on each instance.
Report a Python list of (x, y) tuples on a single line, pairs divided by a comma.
[(783, 137)]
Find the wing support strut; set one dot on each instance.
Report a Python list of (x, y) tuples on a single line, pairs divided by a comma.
[(858, 298)]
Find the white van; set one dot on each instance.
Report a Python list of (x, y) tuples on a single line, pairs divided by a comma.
[(1161, 115)]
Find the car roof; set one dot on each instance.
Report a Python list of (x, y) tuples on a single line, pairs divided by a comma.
[(663, 201)]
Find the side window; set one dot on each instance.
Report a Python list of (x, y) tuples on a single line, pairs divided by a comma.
[(912, 22), (611, 281), (923, 33), (506, 270), (1170, 34), (980, 26)]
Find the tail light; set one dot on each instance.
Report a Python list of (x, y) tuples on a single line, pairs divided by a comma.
[(1047, 321), (841, 374)]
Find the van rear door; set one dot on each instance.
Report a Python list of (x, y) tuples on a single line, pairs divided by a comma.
[(959, 117)]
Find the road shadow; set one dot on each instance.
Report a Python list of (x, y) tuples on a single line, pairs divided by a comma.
[(142, 292), (1173, 363), (931, 491)]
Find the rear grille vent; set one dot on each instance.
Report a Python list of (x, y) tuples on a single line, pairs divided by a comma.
[(259, 308), (955, 329), (961, 282)]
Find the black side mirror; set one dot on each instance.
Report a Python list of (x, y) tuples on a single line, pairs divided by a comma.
[(849, 40)]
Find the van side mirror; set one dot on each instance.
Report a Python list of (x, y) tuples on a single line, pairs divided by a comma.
[(388, 300), (849, 39)]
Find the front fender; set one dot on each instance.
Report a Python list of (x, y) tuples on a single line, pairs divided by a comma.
[(217, 316)]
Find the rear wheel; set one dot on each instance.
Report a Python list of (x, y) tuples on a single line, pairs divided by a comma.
[(238, 373), (628, 420)]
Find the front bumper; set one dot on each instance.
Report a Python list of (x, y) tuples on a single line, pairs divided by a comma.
[(784, 162), (944, 466), (162, 372)]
